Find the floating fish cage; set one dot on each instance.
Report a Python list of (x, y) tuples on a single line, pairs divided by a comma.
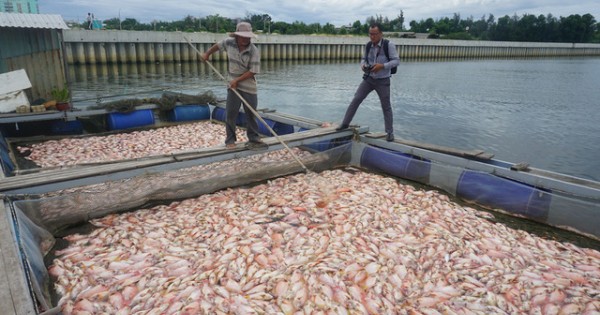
[(340, 221)]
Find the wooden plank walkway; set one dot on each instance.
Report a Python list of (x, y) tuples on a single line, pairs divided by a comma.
[(473, 154)]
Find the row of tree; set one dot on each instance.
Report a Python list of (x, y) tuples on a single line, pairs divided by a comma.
[(574, 28)]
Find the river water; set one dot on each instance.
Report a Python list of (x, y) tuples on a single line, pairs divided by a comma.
[(545, 112)]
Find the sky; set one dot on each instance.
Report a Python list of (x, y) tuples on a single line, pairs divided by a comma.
[(336, 12)]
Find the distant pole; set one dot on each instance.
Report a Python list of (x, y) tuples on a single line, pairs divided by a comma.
[(120, 19)]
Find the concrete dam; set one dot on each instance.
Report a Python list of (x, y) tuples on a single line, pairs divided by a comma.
[(112, 47)]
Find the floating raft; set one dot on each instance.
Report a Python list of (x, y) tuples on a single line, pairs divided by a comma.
[(472, 175)]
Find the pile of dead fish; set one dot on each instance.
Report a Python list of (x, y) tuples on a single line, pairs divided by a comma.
[(129, 145), (63, 207), (337, 242)]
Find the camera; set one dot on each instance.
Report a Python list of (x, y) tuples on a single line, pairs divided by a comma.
[(367, 69)]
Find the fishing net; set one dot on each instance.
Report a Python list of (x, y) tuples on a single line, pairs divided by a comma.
[(166, 102)]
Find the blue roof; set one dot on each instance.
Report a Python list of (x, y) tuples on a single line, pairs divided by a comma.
[(22, 20)]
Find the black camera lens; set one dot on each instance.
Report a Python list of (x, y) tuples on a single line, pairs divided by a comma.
[(367, 69)]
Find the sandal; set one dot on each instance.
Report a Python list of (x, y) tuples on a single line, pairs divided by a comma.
[(252, 145)]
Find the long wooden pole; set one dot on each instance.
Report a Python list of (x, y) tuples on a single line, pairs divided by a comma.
[(248, 106)]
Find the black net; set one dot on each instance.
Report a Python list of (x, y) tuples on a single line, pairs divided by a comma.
[(166, 102)]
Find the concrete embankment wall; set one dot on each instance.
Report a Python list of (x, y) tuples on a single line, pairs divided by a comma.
[(100, 47)]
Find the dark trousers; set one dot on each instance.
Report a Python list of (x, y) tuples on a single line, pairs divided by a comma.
[(233, 109), (382, 87)]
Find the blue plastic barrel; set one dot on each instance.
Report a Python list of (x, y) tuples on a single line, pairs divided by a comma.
[(283, 129), (396, 163), (189, 112), (220, 114), (138, 118), (278, 128), (62, 127), (487, 189), (262, 129), (319, 146), (241, 120)]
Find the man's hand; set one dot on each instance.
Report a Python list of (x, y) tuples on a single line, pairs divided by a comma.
[(377, 67), (233, 84)]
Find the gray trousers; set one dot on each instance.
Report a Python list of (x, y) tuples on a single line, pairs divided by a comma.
[(382, 87), (232, 108)]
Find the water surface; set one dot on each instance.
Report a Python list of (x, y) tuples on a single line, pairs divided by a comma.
[(542, 111)]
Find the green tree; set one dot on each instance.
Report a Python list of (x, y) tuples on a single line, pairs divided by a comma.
[(329, 28), (259, 21), (596, 36), (528, 29), (112, 24), (399, 22), (357, 28), (574, 28), (279, 27), (455, 24), (443, 26), (551, 29), (590, 27), (423, 26), (189, 24), (314, 28), (129, 24), (297, 28), (501, 30), (479, 28), (219, 24)]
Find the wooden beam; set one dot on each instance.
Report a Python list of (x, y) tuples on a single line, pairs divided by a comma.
[(475, 154)]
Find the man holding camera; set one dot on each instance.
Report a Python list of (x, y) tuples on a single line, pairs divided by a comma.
[(377, 67)]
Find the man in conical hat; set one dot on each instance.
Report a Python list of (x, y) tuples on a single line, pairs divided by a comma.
[(243, 65)]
